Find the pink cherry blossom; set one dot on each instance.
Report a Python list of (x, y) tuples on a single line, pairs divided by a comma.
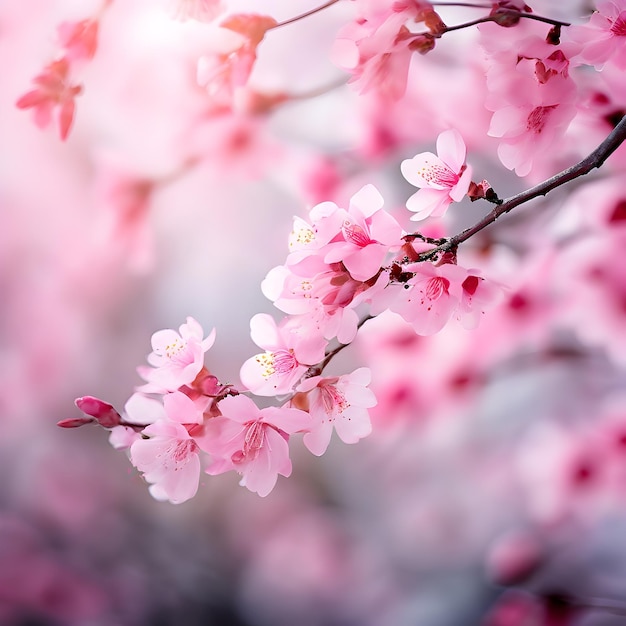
[(321, 295), (368, 234), (288, 354), (340, 403), (169, 459), (53, 90), (377, 47), (428, 300), (533, 117), (252, 441), (604, 37), (531, 93), (443, 178), (176, 357)]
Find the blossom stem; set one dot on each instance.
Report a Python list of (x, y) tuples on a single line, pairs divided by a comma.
[(303, 15), (316, 370), (493, 18), (472, 5), (594, 160)]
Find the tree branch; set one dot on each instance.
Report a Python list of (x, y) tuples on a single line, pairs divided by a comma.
[(595, 160), (303, 15)]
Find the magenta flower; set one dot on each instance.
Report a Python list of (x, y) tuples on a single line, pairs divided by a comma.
[(442, 178), (176, 358), (252, 441), (340, 403)]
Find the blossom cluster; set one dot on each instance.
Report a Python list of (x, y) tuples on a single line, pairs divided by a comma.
[(344, 265), (340, 262)]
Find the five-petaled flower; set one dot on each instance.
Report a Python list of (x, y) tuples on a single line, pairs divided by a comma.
[(340, 403), (176, 358), (252, 441), (442, 178)]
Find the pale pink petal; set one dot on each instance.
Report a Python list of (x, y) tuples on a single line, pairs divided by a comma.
[(142, 410), (353, 425), (428, 201), (414, 169), (289, 420), (458, 192), (318, 439), (180, 408), (365, 262), (367, 200), (264, 332), (451, 149), (507, 121), (239, 409), (345, 53)]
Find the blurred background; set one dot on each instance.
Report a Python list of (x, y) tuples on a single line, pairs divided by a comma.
[(492, 488)]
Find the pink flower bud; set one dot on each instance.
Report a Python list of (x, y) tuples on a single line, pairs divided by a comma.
[(103, 412)]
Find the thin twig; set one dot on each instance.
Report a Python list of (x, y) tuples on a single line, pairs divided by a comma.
[(495, 18), (303, 15)]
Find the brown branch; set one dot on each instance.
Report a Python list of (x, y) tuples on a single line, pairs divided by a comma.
[(595, 160), (496, 19), (303, 15)]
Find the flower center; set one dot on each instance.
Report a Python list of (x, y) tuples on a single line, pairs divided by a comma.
[(436, 287), (252, 443), (279, 362), (538, 117), (303, 236), (333, 400), (619, 25), (183, 450), (436, 174), (178, 353), (355, 234)]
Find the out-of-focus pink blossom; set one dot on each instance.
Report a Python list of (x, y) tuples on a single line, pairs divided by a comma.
[(79, 39), (176, 357), (377, 47), (442, 178), (603, 38), (340, 403), (531, 120), (230, 65), (201, 10), (252, 441), (53, 90)]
